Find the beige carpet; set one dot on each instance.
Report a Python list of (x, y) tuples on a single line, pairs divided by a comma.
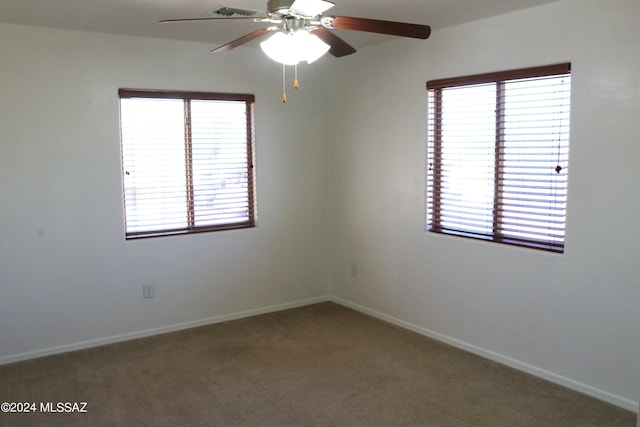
[(322, 365)]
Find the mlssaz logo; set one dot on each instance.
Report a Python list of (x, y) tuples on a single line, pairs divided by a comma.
[(63, 407)]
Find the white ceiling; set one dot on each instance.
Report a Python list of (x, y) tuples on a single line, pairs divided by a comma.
[(140, 17)]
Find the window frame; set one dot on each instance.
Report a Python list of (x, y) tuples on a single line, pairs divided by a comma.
[(434, 156), (187, 97)]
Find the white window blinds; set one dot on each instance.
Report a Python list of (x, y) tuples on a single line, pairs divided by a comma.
[(187, 162), (498, 151)]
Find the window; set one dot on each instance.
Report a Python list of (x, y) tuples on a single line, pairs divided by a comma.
[(498, 149), (187, 162)]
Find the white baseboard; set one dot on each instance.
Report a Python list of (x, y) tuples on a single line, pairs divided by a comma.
[(504, 360), (156, 331)]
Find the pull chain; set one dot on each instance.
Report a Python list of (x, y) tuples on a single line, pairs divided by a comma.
[(284, 84), (295, 81)]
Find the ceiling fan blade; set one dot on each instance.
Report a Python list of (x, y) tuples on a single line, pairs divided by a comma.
[(244, 39), (338, 47), (253, 18), (375, 26), (310, 8)]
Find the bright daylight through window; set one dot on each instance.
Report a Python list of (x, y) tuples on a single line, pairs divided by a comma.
[(498, 151), (187, 162)]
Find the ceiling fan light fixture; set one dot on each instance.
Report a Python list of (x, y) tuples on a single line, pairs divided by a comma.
[(291, 48)]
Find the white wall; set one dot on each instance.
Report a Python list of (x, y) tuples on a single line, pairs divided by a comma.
[(68, 278), (572, 318)]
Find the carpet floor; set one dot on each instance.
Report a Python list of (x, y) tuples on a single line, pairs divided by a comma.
[(320, 365)]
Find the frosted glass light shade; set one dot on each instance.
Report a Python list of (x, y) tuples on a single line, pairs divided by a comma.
[(310, 46), (290, 49), (280, 48)]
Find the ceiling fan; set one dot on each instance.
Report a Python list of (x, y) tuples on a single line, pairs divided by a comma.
[(291, 17), (301, 31)]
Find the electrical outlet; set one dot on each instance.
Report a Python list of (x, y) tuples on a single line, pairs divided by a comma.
[(148, 290), (354, 270)]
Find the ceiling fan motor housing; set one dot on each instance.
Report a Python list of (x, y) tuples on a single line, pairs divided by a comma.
[(278, 7)]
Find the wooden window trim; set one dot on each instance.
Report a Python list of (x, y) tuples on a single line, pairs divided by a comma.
[(521, 73)]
